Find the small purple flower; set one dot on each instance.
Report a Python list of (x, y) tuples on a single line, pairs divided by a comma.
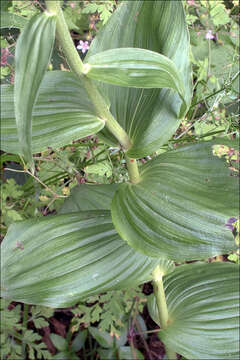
[(83, 46), (209, 35), (231, 220)]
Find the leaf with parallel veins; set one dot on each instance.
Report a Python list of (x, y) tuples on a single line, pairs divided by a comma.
[(58, 260), (149, 116), (180, 206), (203, 306), (62, 113)]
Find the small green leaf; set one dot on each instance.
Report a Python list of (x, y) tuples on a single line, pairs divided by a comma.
[(101, 169), (9, 20), (33, 52), (89, 197), (102, 337), (79, 340), (40, 323), (126, 353), (203, 305), (59, 342)]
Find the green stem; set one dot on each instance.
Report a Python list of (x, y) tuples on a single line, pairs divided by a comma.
[(132, 170), (74, 60), (162, 306), (77, 67), (24, 323)]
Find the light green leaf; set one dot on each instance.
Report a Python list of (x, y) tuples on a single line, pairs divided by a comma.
[(33, 53), (62, 113), (89, 197), (57, 260), (203, 305), (150, 116), (102, 168), (137, 68), (9, 20), (180, 207)]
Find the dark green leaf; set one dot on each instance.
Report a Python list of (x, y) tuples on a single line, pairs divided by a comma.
[(180, 207), (203, 304), (150, 116), (62, 114), (89, 197), (33, 53), (58, 260)]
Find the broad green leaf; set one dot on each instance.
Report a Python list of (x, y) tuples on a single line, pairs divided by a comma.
[(33, 53), (150, 116), (62, 113), (9, 20), (136, 68), (203, 305), (89, 197), (180, 207), (57, 260)]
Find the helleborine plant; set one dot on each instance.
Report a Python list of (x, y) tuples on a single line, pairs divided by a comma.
[(133, 89)]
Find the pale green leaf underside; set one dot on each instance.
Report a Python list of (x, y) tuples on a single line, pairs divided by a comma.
[(62, 113), (33, 52), (58, 260), (150, 116), (89, 197), (138, 68), (180, 206), (203, 304)]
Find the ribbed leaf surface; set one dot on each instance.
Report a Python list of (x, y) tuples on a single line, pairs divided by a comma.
[(203, 304), (56, 261), (181, 205), (33, 52), (150, 116), (61, 114), (136, 68), (89, 197)]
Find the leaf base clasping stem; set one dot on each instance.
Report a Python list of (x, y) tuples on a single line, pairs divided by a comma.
[(162, 305)]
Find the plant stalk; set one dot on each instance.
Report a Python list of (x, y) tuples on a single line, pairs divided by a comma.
[(132, 170), (162, 306), (77, 67)]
